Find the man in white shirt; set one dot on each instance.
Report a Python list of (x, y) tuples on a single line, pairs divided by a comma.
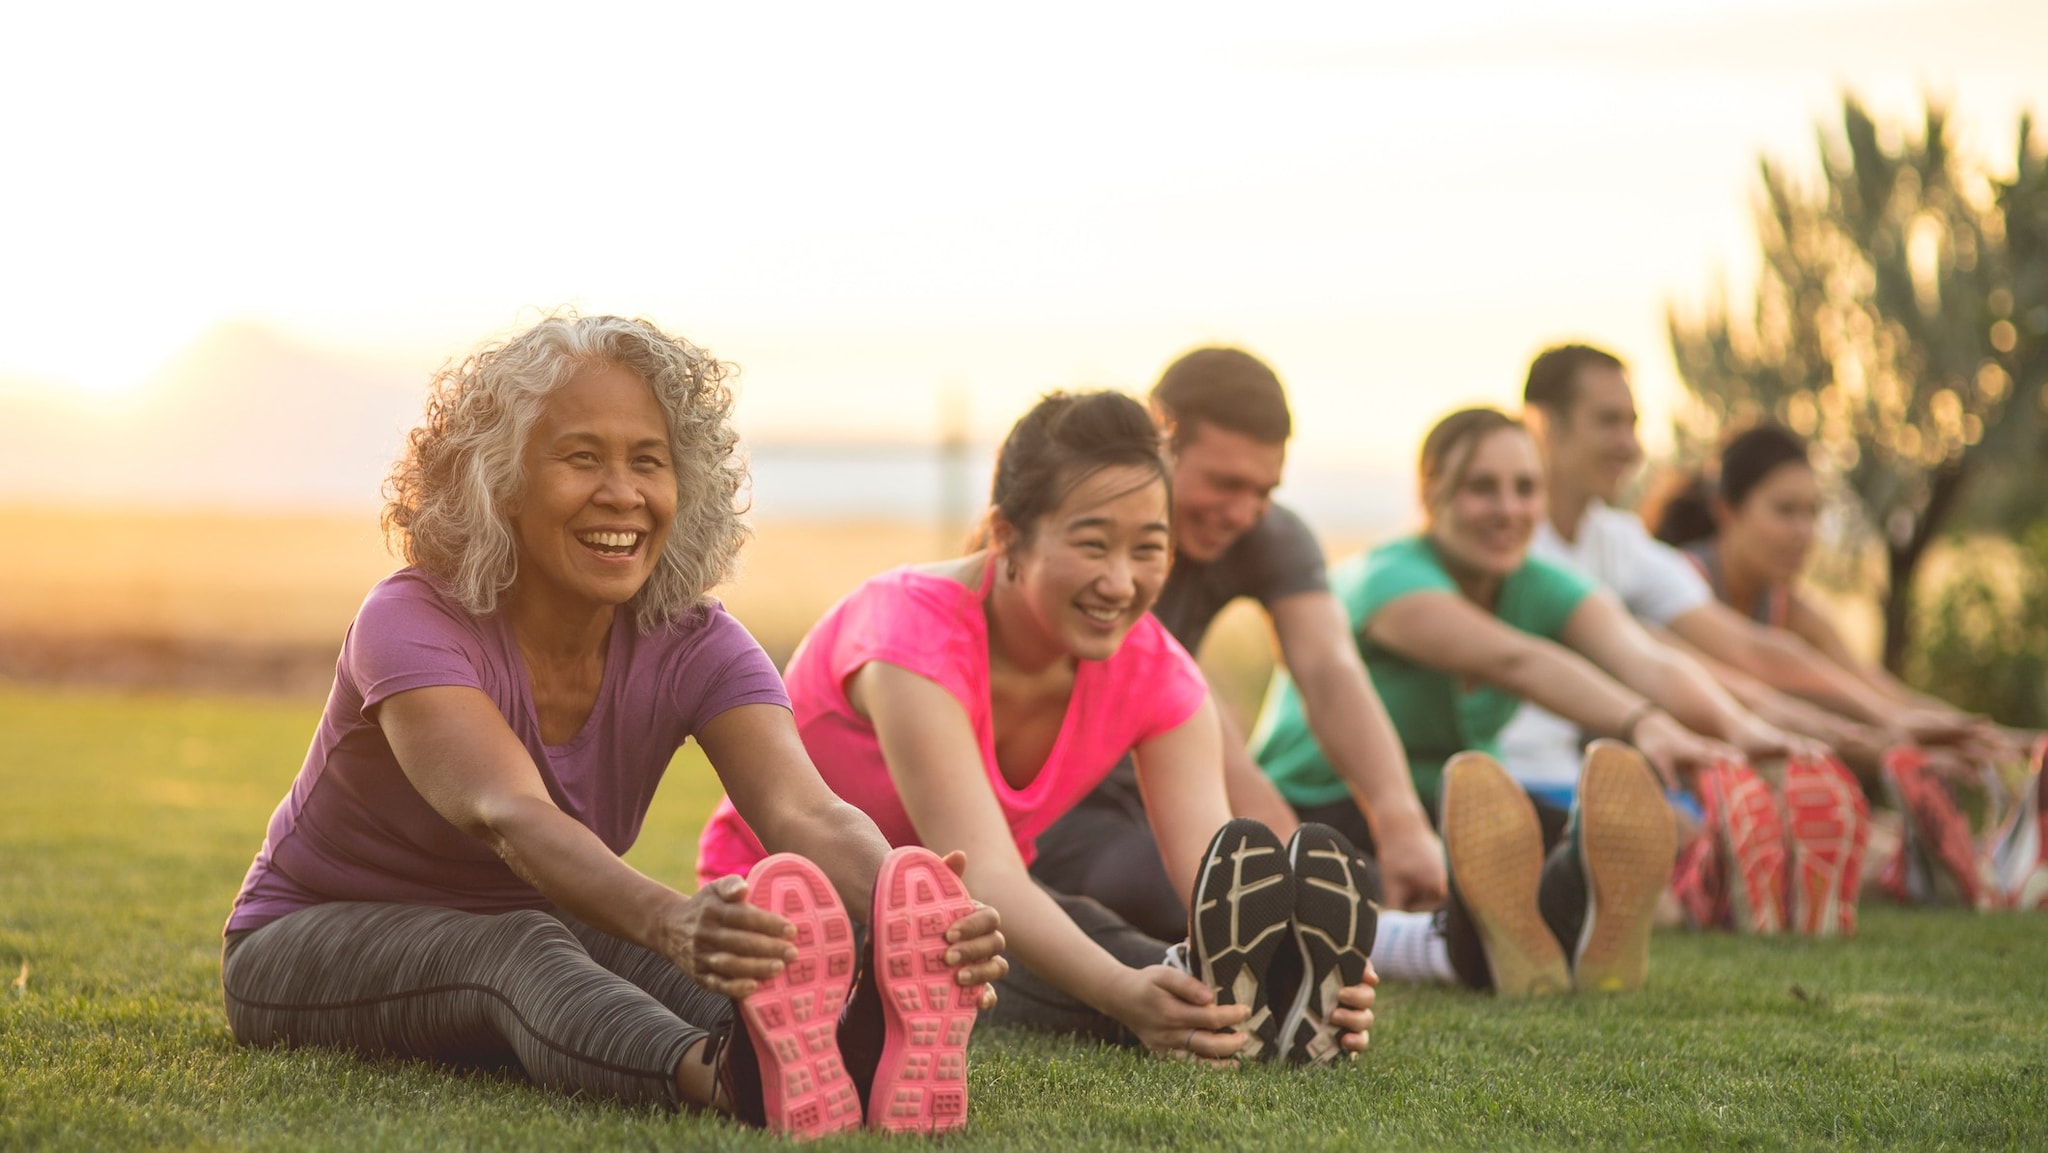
[(1582, 413)]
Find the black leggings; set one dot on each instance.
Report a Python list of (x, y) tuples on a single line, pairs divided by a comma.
[(1344, 817), (1026, 1001), (1103, 848), (576, 1009)]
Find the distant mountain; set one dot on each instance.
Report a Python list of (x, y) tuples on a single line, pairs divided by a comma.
[(249, 419), (244, 418)]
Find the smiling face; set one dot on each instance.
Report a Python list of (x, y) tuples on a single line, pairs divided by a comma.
[(1223, 483), (1092, 566), (1593, 446), (1482, 515), (1771, 531), (600, 493)]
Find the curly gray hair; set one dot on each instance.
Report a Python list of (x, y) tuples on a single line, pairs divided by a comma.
[(448, 493)]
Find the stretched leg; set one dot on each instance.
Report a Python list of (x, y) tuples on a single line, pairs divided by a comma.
[(437, 984), (1028, 1001), (652, 973), (1103, 849)]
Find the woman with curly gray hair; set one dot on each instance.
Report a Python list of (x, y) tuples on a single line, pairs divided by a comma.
[(444, 880)]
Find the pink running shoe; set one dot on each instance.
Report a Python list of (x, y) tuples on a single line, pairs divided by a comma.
[(1830, 825), (2022, 857), (1750, 839), (1937, 837), (1697, 884), (921, 1082), (793, 1017)]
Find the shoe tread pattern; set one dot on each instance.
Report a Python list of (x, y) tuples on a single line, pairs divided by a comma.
[(1937, 833), (793, 1016), (1829, 825), (1749, 836), (1334, 922), (927, 1016), (1242, 910), (1495, 846), (1628, 839)]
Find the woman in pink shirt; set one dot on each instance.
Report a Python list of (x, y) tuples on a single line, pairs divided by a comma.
[(971, 702)]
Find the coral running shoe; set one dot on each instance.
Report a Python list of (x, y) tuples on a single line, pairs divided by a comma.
[(1749, 841), (921, 1080), (1937, 845), (1697, 884), (792, 1018), (1829, 822)]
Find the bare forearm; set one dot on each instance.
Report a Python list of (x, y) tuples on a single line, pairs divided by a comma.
[(1801, 669), (1685, 690), (1044, 939), (1572, 687), (1252, 794), (1810, 720), (1773, 660), (1358, 740), (576, 871), (838, 838)]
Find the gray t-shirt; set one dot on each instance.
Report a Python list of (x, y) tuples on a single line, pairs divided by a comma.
[(1276, 559)]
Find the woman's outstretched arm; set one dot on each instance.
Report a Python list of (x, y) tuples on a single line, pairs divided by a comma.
[(457, 751), (935, 762), (1601, 630), (1445, 631), (777, 790)]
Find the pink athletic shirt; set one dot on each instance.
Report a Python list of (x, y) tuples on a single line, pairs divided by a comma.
[(353, 828), (933, 626)]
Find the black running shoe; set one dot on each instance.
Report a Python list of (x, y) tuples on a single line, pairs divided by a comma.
[(1243, 906), (1334, 921)]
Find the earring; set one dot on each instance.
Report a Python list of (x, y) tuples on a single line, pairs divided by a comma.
[(1010, 570)]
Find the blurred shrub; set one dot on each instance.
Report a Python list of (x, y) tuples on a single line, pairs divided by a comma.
[(1982, 640)]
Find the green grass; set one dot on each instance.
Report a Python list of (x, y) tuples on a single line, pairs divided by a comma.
[(125, 825)]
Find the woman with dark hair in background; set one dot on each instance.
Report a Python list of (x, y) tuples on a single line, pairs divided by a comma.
[(974, 701), (1750, 533), (444, 880)]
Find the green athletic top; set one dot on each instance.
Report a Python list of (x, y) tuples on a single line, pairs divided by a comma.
[(1434, 714)]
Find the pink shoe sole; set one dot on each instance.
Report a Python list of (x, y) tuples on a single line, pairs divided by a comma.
[(794, 1016), (1745, 820), (1829, 822), (921, 1081), (1940, 832)]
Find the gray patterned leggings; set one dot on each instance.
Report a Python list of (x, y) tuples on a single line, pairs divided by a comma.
[(577, 1009)]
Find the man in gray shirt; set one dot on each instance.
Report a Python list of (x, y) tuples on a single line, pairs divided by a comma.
[(1226, 421)]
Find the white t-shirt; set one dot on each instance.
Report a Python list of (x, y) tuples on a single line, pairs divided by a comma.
[(1656, 584)]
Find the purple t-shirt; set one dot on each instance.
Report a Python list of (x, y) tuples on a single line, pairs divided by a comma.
[(354, 829)]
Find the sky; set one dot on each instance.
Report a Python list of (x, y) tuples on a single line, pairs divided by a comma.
[(269, 222)]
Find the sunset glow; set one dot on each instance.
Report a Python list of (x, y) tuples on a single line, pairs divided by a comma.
[(1396, 206)]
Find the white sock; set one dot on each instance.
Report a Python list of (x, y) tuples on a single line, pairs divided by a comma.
[(1410, 947), (1177, 958)]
